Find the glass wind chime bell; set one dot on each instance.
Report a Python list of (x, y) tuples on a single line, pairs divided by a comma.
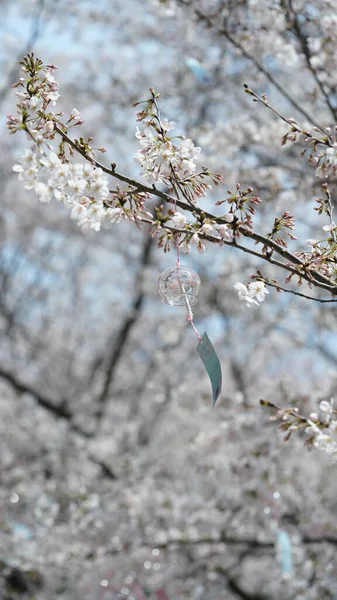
[(178, 286)]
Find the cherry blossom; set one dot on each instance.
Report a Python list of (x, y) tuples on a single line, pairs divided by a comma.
[(253, 293), (327, 162), (178, 219), (159, 156)]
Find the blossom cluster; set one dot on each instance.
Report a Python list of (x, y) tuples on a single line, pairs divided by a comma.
[(321, 429), (36, 92), (326, 162), (252, 293), (171, 160), (323, 439), (81, 187), (159, 157), (84, 187), (322, 255), (209, 227)]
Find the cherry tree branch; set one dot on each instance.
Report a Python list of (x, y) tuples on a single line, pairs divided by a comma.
[(60, 410), (322, 282), (120, 339), (291, 122), (252, 543), (303, 271), (293, 21), (285, 93)]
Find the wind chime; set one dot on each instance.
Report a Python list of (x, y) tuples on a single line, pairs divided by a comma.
[(180, 286)]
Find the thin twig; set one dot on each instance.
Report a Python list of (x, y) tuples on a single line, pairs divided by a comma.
[(278, 287), (222, 30), (291, 122), (294, 23)]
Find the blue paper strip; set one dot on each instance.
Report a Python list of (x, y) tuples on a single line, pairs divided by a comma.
[(212, 365), (285, 550), (199, 71)]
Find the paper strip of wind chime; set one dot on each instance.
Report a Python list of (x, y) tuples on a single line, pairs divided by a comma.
[(180, 286)]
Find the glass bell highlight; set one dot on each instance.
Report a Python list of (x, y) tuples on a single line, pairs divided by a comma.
[(179, 286)]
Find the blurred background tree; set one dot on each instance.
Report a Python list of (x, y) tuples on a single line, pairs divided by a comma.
[(117, 478)]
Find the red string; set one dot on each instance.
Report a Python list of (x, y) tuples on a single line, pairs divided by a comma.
[(190, 319)]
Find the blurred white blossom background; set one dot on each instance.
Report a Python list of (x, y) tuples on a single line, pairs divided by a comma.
[(118, 480)]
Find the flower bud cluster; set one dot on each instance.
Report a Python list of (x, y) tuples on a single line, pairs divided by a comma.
[(242, 204)]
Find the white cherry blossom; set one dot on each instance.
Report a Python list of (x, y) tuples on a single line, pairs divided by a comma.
[(258, 290), (327, 162), (160, 158), (253, 293), (178, 219)]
